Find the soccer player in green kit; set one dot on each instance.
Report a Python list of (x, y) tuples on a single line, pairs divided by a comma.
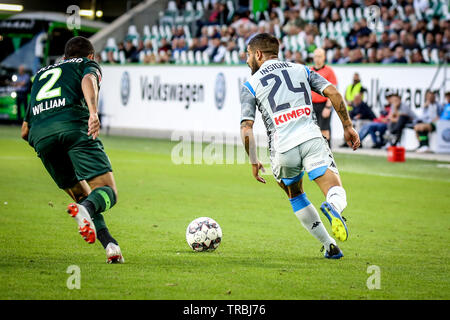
[(62, 125)]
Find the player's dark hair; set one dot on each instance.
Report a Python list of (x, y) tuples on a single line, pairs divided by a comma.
[(266, 43), (78, 47)]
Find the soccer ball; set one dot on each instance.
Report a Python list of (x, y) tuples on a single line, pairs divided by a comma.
[(203, 234)]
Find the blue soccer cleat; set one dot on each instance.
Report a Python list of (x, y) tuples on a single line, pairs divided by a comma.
[(333, 253), (338, 225)]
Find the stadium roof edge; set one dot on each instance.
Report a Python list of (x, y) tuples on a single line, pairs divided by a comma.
[(99, 39)]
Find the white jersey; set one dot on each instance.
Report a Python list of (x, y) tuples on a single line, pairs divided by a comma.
[(282, 93)]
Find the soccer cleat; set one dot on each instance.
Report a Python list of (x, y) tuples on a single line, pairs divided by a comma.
[(113, 254), (423, 149), (85, 225), (338, 225), (333, 253)]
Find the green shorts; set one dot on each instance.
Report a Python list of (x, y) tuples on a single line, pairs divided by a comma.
[(72, 156)]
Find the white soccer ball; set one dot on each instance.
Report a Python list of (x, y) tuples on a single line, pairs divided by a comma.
[(203, 234)]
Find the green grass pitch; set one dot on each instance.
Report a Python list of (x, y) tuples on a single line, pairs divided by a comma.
[(398, 219)]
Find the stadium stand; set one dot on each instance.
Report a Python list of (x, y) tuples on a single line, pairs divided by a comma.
[(351, 31)]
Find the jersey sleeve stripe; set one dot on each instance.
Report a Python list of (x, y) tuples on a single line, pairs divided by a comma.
[(307, 71), (249, 87)]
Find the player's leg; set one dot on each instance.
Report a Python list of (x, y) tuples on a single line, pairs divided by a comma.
[(59, 165), (102, 198), (92, 164), (422, 131), (320, 165), (86, 224), (79, 191), (289, 177)]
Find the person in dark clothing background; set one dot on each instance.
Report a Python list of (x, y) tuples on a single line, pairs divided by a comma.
[(399, 116), (22, 85), (360, 110)]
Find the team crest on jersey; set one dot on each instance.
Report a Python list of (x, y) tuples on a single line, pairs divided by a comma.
[(292, 114)]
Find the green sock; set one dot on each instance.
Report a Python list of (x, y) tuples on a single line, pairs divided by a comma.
[(103, 199), (98, 201), (423, 139), (99, 221)]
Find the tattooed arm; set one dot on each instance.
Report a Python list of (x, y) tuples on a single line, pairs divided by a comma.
[(350, 134), (248, 140)]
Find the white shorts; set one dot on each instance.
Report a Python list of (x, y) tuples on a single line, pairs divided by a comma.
[(313, 156)]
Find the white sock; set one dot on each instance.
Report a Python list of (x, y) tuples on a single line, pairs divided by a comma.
[(337, 197), (309, 217)]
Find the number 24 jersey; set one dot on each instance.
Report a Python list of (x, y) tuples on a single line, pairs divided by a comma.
[(281, 91)]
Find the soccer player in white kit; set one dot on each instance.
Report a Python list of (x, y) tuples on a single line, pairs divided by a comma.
[(281, 91)]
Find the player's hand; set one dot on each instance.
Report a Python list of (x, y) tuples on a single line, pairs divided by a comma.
[(93, 125), (255, 170), (352, 138)]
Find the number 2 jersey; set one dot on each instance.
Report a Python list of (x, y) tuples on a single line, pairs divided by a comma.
[(57, 102), (282, 93)]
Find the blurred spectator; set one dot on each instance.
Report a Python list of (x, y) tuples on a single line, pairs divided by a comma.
[(372, 56), (384, 41), (352, 37), (386, 55), (130, 52), (376, 129), (429, 41), (22, 86), (310, 44), (295, 20), (110, 57), (360, 110), (443, 56), (416, 56), (393, 41), (288, 56), (165, 46), (356, 56), (399, 55), (361, 113), (298, 58), (179, 45), (147, 51), (219, 14), (353, 90), (295, 23), (400, 115), (445, 114), (216, 50), (426, 122)]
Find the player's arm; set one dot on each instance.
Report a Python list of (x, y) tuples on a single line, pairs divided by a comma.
[(350, 134), (248, 139), (24, 131), (248, 110), (89, 85)]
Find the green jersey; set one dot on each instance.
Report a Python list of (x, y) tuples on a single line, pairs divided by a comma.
[(57, 102)]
